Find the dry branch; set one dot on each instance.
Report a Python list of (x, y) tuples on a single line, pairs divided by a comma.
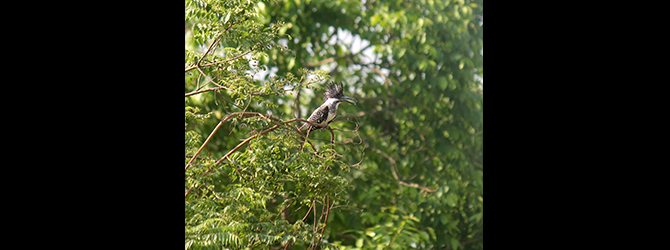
[(277, 122), (395, 175)]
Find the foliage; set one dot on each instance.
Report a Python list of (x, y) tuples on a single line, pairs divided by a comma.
[(241, 200), (406, 166)]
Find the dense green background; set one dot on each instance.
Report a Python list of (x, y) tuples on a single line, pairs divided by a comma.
[(407, 166)]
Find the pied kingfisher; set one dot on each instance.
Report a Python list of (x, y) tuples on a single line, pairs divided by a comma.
[(327, 112)]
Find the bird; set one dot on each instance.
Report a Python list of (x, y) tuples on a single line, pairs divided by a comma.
[(327, 112)]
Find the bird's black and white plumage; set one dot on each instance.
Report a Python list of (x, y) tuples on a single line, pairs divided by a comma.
[(327, 112)]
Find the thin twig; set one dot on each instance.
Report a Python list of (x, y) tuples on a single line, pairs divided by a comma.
[(395, 175), (250, 138), (188, 192), (211, 46), (310, 210), (237, 147), (325, 222), (278, 123), (217, 128), (314, 227), (206, 141), (198, 91), (219, 62)]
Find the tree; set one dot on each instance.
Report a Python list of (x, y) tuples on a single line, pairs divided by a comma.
[(242, 199), (402, 169)]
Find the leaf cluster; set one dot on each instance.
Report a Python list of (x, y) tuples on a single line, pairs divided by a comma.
[(239, 203), (249, 184)]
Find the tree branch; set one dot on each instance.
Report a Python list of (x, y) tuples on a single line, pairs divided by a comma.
[(211, 46), (219, 62), (195, 92), (207, 141), (335, 58), (395, 175), (325, 222), (226, 119), (237, 147), (277, 122)]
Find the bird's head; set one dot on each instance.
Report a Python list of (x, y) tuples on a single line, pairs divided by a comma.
[(336, 91)]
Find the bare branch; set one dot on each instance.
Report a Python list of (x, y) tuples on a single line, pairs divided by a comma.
[(335, 58), (195, 92), (328, 206), (206, 141), (211, 46), (219, 62), (237, 147), (395, 175), (277, 122)]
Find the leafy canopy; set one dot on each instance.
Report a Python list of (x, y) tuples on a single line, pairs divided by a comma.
[(402, 169)]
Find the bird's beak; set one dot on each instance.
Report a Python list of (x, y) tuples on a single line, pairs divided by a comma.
[(349, 100)]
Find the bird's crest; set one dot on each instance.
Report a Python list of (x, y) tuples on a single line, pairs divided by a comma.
[(333, 91)]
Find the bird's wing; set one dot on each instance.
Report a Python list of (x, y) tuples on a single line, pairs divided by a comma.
[(318, 116), (331, 120)]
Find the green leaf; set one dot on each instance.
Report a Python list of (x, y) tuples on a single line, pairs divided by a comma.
[(452, 199), (400, 52), (291, 63), (442, 82), (444, 219), (225, 19), (454, 243), (375, 19)]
